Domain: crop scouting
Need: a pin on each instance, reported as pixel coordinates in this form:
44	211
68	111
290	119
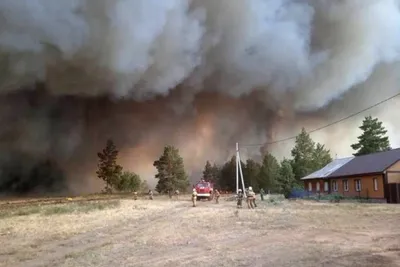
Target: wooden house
374	176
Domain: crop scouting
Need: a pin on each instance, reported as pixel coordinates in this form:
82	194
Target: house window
318	185
334	185
310	186
358	185
345	185
376	184
326	186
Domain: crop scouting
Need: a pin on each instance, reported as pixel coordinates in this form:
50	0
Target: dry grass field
166	232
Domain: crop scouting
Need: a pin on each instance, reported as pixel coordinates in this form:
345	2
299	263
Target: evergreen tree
286	178
251	174
308	156
227	179
209	173
373	139
216	173
302	154
108	169
171	173
212	173
321	157
269	173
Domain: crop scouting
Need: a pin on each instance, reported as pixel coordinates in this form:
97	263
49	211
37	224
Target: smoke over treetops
198	74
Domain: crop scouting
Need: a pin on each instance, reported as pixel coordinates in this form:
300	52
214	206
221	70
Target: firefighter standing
254	194
194	197
135	195
217	194
150	195
239	198
177	194
251	198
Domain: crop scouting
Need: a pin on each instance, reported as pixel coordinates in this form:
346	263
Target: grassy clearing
278	232
81	207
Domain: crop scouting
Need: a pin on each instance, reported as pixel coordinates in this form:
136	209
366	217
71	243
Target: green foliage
251	174
269	173
171	173
227	179
211	173
373	139
286	179
321	157
108	169
129	181
336	198
302	155
216	173
308	156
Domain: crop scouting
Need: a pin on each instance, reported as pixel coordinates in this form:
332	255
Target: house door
393	193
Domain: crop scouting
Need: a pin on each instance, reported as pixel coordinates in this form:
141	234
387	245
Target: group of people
250	197
150	194
216	193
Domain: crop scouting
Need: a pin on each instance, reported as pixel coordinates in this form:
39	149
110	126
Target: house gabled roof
328	169
366	164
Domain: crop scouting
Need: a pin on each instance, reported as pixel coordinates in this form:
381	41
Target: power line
325	126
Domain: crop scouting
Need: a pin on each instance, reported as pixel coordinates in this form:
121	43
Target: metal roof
371	163
328	169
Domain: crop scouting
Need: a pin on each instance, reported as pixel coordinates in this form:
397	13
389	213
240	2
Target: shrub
129	181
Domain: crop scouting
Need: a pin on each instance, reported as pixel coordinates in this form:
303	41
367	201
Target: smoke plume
198	74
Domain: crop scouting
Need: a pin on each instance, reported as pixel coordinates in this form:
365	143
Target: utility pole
239	171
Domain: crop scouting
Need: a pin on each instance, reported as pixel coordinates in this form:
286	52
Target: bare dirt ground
172	233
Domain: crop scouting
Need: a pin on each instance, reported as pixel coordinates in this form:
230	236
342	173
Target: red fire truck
204	190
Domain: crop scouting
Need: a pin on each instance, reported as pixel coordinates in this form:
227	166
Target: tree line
307	156
269	173
171	173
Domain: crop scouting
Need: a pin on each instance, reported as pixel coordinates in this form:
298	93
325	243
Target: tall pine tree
211	172
216	173
373	138
302	154
251	174
269	173
108	169
227	179
286	179
171	173
308	156
321	156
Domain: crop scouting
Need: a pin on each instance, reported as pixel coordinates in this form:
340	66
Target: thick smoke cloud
200	74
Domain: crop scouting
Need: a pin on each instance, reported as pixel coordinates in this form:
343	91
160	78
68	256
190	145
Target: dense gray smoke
199	74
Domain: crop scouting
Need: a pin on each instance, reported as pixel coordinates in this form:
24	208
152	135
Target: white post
237	168
241	174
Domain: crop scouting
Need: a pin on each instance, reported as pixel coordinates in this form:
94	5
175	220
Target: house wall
314	183
393	177
367	186
394	167
393	173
